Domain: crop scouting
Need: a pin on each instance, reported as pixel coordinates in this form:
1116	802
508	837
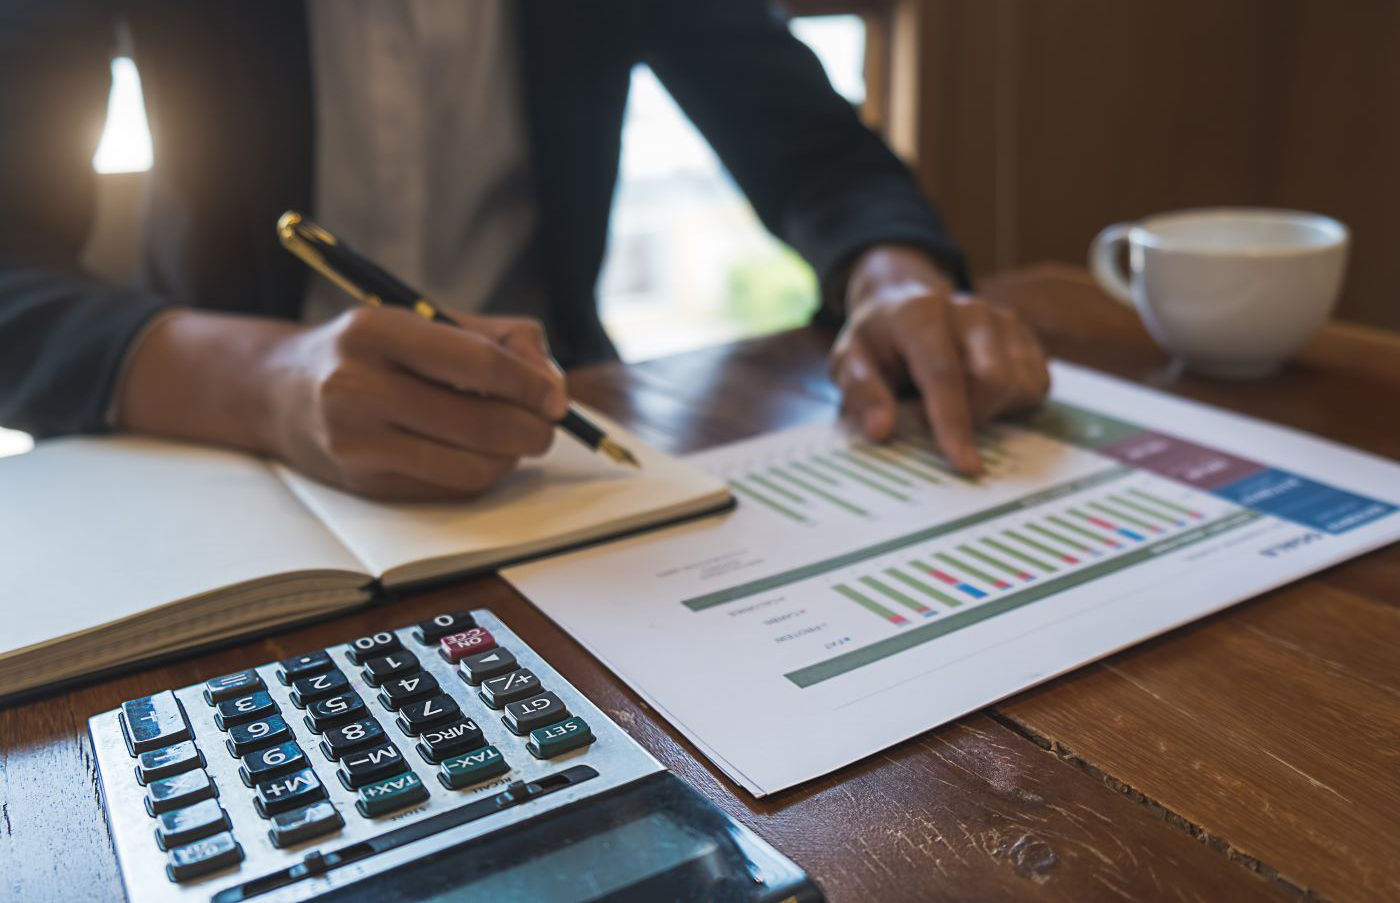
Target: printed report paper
862	594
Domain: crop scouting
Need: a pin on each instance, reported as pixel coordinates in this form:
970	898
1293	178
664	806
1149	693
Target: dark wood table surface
1254	755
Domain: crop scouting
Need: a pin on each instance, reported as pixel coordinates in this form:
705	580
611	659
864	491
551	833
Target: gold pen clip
297	235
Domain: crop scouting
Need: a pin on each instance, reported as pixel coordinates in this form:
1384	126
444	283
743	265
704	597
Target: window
126	139
689	264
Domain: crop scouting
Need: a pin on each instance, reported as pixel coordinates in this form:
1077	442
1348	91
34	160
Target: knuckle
356	326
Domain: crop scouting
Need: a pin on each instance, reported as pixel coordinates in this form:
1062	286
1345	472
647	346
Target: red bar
950	580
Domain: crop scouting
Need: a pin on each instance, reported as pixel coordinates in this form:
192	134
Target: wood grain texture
1267	731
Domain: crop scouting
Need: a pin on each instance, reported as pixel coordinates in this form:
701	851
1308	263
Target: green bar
990	561
1123	516
1141	508
878	471
1019	555
930	459
913	605
818	491
759	497
865	602
1075	528
852	475
1170	506
1033	543
826	478
958	565
1034	499
1072	543
932	630
902	464
785	492
923	587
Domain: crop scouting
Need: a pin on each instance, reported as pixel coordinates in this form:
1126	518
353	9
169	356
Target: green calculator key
551	740
472	767
390	794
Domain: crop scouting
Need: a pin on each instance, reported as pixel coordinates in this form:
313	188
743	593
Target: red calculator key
457	646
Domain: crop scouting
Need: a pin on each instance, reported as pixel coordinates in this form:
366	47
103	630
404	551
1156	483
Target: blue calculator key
244	709
325	714
245	738
153	721
239	683
299	666
309	689
168	761
179	791
264	764
290	792
370	765
390	795
203	856
472	768
182	826
303	824
555	739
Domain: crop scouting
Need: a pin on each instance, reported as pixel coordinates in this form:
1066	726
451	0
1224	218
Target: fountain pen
370	283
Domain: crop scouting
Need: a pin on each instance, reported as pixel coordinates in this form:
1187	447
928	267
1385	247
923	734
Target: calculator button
339	741
243	709
476	668
171	760
399	692
333	712
153	721
435	628
549	741
472	768
179	791
388	795
417	717
265	764
244	738
239	683
175	829
372	646
195	859
497	691
374	764
296	789
299	666
309	689
303	824
378	670
456	646
537	711
449	740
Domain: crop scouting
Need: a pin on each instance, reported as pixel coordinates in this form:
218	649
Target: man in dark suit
471	145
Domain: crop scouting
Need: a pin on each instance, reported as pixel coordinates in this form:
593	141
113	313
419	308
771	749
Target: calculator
441	761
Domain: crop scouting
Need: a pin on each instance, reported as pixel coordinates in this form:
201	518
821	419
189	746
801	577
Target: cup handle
1103	262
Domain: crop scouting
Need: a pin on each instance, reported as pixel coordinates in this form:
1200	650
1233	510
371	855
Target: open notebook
121	549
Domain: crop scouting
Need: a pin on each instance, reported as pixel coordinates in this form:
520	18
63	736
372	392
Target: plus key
456	646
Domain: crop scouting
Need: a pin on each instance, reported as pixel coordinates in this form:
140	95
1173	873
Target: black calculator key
417	717
309	689
239	683
290	792
167	761
378	670
373	646
450	740
476	668
179	791
328	713
340	741
299	666
527	714
435	628
265	764
175	829
245	738
153	721
518	684
370	765
203	856
244	709
400	691
303	824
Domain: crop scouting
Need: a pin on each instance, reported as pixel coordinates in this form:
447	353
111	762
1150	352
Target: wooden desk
1252	756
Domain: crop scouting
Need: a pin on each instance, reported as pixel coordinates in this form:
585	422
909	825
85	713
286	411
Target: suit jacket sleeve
63	333
819	179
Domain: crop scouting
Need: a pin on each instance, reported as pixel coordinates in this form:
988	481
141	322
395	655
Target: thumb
866	398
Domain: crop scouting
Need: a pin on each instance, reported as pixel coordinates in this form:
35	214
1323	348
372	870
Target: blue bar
1130	534
1304	501
972	591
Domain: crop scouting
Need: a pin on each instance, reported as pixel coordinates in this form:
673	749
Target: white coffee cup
1232	292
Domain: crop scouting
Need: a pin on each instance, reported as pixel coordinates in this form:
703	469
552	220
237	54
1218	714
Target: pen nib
618	453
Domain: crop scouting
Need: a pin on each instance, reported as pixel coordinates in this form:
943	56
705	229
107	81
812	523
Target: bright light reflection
126	140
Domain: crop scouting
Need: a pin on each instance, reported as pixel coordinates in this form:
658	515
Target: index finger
936	366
